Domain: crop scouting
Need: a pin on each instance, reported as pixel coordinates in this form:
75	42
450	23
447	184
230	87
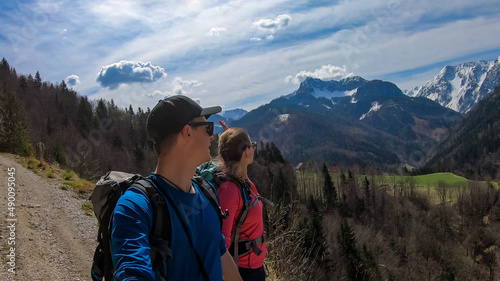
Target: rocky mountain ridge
461	87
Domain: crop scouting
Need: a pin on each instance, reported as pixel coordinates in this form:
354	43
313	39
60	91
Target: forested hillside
56	124
472	147
345	228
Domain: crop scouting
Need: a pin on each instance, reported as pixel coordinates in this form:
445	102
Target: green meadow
432	180
430	184
429	180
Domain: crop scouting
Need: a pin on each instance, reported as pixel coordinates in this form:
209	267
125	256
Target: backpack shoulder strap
245	193
161	231
210	192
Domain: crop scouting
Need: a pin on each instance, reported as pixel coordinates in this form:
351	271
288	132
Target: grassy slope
429	180
432	180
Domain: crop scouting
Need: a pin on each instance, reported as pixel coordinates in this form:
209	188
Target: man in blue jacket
181	136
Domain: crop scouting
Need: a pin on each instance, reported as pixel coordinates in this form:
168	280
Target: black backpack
104	198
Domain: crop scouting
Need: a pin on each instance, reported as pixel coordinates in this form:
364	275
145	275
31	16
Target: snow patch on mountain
335	94
282	118
351	93
375	107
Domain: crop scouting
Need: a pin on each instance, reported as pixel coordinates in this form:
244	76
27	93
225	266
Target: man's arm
130	237
229	270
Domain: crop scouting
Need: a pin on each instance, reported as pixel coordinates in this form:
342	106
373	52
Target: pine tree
23	82
329	191
280	188
4	66
84	115
101	110
366	187
275	154
314	240
348	250
14	136
370	269
38	80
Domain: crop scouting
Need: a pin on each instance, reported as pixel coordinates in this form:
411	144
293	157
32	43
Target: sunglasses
210	126
253	145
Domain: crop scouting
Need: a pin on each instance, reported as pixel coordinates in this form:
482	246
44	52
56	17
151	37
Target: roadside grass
81	186
87	209
70	180
68	175
50	174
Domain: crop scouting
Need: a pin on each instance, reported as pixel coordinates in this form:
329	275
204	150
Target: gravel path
54	239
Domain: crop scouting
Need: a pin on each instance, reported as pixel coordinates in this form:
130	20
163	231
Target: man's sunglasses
210	126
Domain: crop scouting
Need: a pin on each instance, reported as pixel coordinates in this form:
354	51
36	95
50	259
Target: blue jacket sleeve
222	245
132	221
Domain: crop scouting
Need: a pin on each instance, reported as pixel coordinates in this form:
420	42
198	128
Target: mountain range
234	114
227	116
461	87
352	121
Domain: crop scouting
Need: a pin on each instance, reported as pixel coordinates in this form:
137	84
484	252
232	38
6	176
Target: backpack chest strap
246	246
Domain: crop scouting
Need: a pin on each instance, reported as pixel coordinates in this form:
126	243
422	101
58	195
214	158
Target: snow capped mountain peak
461	87
328	89
234	114
413	91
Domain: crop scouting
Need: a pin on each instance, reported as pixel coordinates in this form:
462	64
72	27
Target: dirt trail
54	239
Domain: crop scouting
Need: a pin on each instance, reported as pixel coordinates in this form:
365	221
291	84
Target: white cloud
125	72
377	35
178	86
147	94
183	87
326	72
72	80
215	31
273	25
269	37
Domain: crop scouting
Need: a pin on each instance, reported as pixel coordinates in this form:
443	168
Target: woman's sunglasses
210	126
253	145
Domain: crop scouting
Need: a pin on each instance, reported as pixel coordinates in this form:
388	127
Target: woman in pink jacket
240	197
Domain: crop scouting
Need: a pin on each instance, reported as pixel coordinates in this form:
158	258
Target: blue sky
240	53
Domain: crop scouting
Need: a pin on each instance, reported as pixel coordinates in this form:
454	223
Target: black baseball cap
170	115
